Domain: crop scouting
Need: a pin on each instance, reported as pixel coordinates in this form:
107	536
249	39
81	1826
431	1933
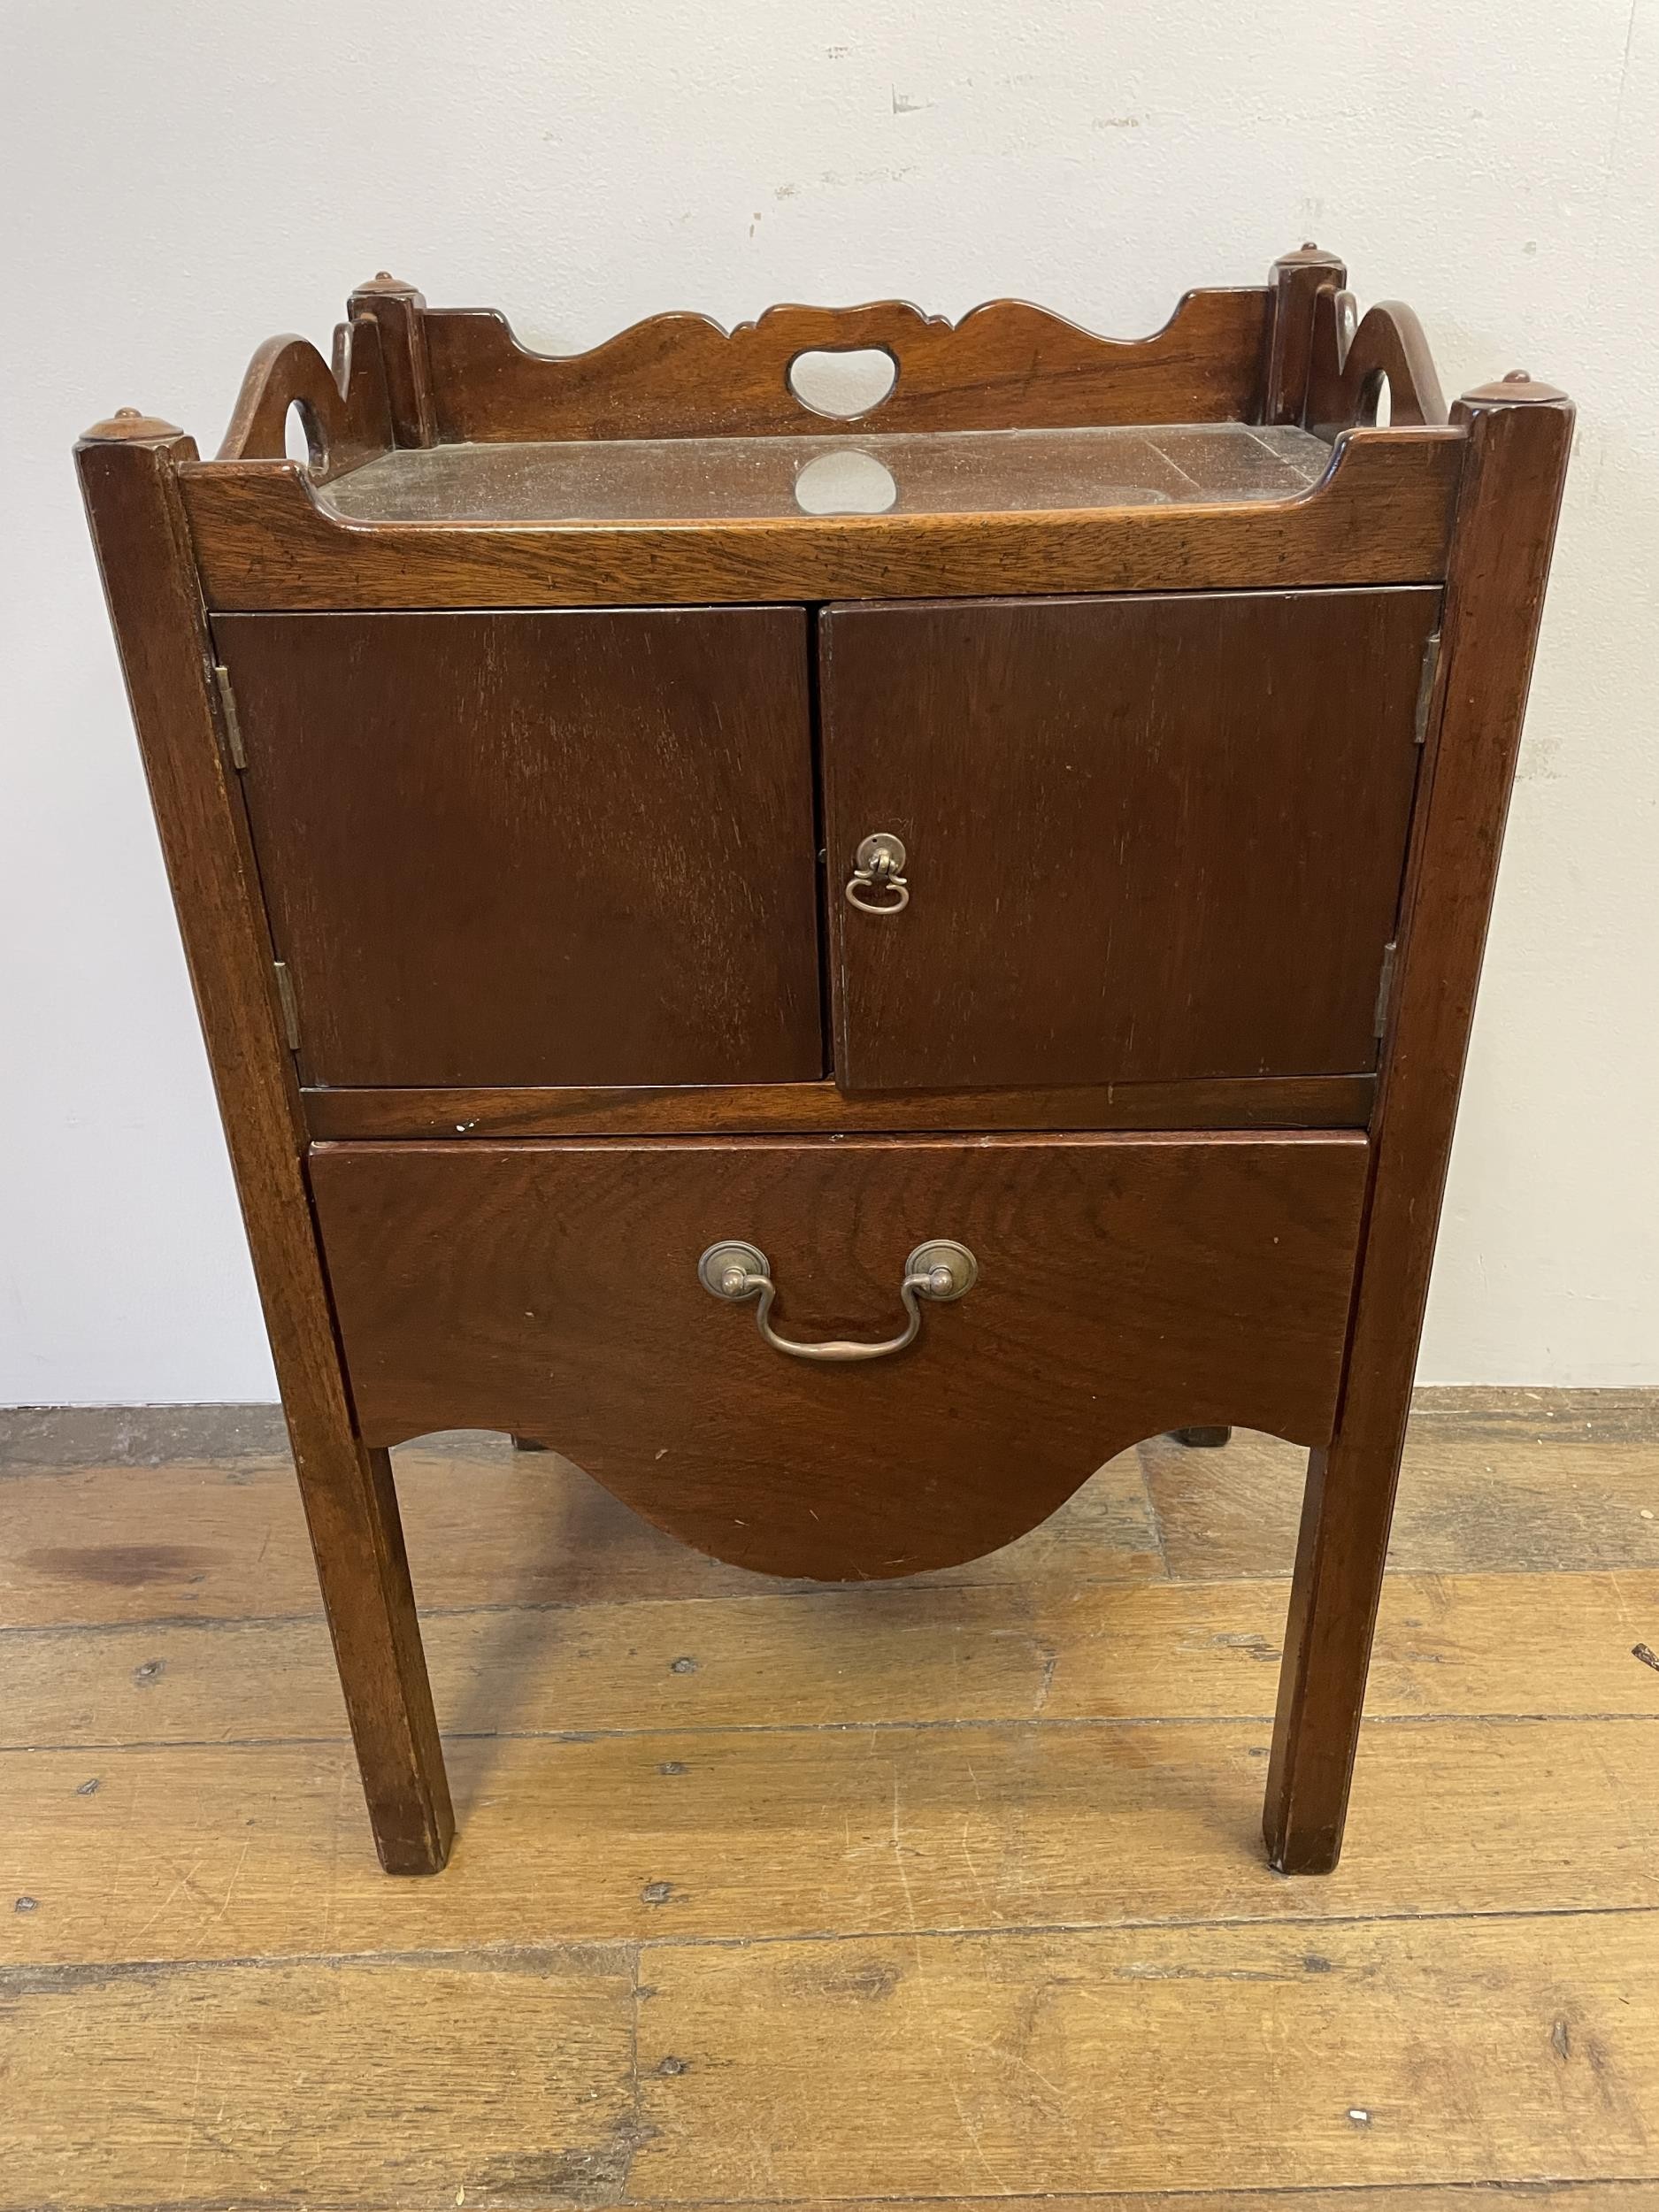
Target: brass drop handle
879	866
939	1270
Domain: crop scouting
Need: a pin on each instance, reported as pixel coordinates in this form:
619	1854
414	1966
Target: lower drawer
1126	1285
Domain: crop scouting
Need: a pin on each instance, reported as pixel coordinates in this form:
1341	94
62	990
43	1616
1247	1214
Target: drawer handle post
879	867
939	1270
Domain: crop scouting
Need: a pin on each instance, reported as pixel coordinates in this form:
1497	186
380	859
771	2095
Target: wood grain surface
1126	1284
129	474
490	1527
964	2064
1006	365
930	2063
265	542
187	1520
397	310
1296	282
537	848
1355	356
1520	435
344	409
756	1835
180	2104
1321	1101
886	1886
1148	839
1522	1481
1448	1646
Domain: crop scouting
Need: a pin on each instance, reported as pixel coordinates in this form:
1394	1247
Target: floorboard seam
709	1729
1498	2192
1057	1587
844	1592
89	1973
1512	2191
1516	2191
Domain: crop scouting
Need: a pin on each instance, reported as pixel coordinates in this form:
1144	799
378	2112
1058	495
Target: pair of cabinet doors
1148	838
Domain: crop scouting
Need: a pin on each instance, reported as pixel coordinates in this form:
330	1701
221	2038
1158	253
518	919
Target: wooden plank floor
771	1895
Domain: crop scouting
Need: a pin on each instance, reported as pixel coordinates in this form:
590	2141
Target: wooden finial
1515	388
127	426
382	285
1297	285
396	309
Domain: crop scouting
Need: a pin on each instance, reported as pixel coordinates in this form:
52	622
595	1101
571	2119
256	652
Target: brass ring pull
855	895
939	1270
879	866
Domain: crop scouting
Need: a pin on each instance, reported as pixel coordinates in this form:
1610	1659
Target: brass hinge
1426	688
1384	988
284	999
227	708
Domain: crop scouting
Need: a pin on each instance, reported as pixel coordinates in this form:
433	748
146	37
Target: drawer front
537	848
1147	838
1125	1286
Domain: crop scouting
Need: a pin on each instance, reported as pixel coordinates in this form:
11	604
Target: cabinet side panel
350	1506
1520	434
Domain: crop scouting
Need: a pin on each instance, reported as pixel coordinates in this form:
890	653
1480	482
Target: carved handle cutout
344	412
1355	362
841	381
303	438
1006	365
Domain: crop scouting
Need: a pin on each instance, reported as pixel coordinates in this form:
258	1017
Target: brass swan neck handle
939	1270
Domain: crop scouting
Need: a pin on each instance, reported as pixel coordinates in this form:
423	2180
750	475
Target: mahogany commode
840	968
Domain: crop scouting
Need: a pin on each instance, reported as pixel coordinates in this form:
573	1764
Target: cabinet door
1147	838
541	848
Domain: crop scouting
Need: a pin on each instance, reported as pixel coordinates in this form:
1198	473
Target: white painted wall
181	181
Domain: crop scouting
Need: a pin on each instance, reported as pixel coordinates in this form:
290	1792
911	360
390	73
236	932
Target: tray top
775	478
